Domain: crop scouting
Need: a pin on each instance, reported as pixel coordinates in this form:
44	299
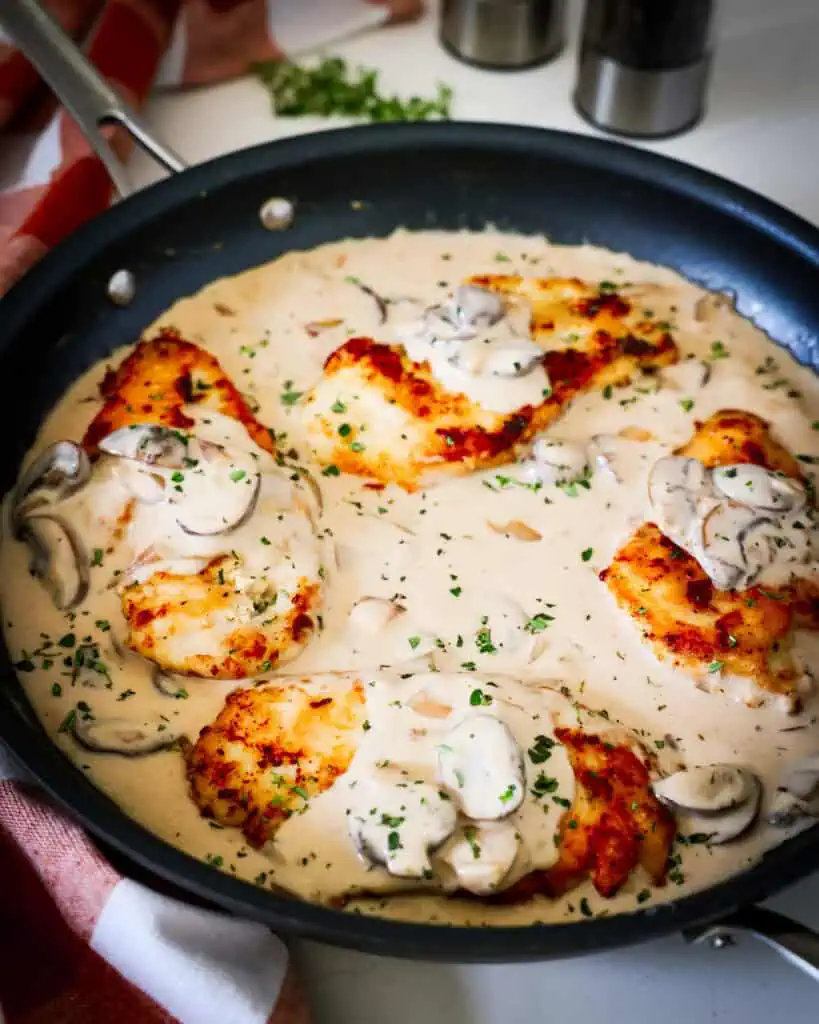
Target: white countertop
762	129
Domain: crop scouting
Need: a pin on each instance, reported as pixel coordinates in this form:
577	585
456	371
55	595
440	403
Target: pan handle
793	941
86	95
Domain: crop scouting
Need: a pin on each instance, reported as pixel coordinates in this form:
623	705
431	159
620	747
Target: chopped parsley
237	475
483	641
687	404
97	556
289	397
543	784
586	555
538	623
718	350
331	87
479	699
393	842
541	749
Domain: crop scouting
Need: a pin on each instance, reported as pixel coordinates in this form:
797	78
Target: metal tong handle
86	95
792	941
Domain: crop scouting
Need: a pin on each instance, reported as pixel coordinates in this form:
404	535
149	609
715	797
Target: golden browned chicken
155	382
379	414
203	624
228	584
615	823
705	630
272	748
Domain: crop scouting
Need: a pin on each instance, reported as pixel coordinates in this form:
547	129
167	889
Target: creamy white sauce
436	557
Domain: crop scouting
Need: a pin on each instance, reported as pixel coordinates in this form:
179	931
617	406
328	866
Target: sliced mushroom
759	488
602	451
166	685
54	475
482	854
219	494
149	443
735	545
379	300
480	762
802	778
397	824
507	622
514	359
123	736
675	484
88	668
787	810
558	462
476	306
58	558
372	614
719	801
150	561
146	487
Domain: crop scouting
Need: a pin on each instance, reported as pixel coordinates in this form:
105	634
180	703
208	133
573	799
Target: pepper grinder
503	35
644	65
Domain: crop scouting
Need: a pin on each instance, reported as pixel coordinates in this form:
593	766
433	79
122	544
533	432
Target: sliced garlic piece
517	529
482	854
480	762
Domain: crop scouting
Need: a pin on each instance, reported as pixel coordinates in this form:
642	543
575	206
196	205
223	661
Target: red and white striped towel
50	182
80	943
83	945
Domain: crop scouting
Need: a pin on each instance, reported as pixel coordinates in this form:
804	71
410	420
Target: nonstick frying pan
204	223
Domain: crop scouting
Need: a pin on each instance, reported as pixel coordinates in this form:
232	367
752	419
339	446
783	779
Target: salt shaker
644	64
503	34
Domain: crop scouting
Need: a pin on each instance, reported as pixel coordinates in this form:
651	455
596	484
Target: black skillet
204	223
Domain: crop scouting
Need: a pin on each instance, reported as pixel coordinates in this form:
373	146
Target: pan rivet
122	288
721	941
276	213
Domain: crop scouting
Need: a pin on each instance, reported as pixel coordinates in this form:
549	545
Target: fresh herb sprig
332	88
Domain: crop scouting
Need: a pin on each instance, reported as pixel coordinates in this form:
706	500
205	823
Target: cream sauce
435	555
